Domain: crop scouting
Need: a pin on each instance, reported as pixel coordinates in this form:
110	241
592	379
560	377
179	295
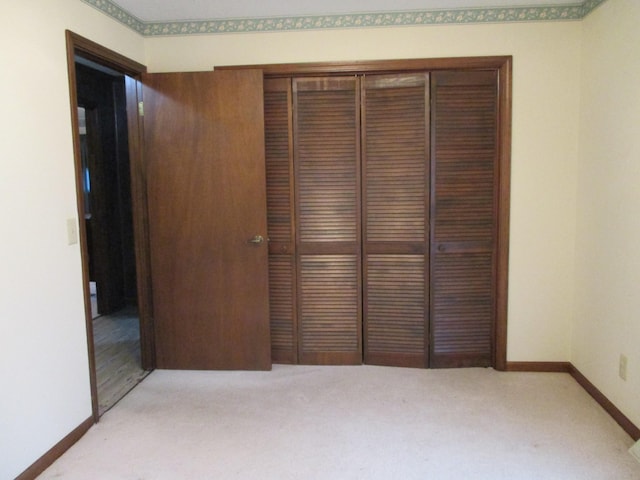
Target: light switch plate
635	451
72	231
622	367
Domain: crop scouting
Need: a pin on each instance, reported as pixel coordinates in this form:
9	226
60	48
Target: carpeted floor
116	340
365	422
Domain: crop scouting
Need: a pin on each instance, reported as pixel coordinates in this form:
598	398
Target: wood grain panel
464	213
395	204
204	145
330	309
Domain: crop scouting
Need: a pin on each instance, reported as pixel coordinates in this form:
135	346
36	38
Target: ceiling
151	11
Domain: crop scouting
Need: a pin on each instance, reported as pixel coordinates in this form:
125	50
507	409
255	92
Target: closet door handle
256	240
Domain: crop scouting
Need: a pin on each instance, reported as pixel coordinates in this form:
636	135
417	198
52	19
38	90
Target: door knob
256	240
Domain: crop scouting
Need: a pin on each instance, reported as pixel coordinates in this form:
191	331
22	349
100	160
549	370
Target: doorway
108	224
112	212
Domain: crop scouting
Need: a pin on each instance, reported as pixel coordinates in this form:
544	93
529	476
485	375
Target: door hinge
141	109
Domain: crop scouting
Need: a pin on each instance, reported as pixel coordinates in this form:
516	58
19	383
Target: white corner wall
546	65
43	354
607	311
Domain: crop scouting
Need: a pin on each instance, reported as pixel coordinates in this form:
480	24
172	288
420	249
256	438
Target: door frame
503	66
78	45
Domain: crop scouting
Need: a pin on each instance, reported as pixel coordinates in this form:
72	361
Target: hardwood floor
117	349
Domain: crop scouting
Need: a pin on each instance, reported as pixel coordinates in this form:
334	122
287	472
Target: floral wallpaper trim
356	20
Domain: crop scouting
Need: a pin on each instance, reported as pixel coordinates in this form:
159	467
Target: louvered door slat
277	123
395	197
326	132
463	305
329	311
464	156
326	164
281	308
280	219
395	312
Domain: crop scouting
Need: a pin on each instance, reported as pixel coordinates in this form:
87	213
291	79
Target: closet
387	200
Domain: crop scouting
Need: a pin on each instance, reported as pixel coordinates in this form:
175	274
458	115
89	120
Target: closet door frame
503	66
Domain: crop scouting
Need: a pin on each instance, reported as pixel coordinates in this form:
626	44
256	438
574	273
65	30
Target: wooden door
278	119
464	215
409	235
395	156
204	148
327	188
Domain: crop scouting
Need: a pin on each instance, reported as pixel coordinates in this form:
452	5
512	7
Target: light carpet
363	422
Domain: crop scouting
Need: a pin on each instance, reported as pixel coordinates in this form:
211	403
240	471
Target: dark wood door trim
621	419
90	50
55	452
377	66
504	203
102	55
140	223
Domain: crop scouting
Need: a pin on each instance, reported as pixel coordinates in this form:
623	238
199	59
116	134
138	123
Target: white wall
545	140
607	312
43	350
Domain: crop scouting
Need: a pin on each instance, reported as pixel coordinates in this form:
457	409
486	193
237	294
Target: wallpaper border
361	20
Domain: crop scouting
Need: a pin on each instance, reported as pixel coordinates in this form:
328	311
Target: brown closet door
395	215
464	199
280	219
327	172
204	147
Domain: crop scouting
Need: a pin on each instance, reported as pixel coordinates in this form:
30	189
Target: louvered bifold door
326	162
395	124
280	219
464	212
